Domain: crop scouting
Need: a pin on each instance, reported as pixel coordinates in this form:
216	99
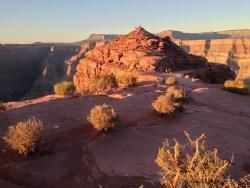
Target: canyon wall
232	52
31	70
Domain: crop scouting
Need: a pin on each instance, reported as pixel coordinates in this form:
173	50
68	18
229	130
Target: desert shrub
176	94
24	137
126	80
2	107
103	117
236	86
192	165
164	105
171	80
65	88
102	83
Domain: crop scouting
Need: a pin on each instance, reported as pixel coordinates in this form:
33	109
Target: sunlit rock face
137	51
232	52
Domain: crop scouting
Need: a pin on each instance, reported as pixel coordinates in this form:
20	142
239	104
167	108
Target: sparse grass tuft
192	165
24	137
103	117
236	86
171	80
102	82
126	80
65	88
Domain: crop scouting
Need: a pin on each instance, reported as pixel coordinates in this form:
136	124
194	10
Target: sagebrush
126	80
236	86
103	117
24	137
171	80
194	165
65	88
164	105
176	94
102	82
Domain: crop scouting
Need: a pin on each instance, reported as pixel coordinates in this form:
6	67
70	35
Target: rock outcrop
140	51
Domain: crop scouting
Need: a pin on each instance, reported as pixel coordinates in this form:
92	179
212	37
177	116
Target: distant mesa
230	34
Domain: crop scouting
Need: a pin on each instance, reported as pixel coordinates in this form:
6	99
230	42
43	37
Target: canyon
231	48
30	70
73	154
232	52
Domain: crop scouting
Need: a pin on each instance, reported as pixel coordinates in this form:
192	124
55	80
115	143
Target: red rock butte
137	51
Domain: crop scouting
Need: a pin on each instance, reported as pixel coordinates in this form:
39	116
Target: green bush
176	94
2	107
103	117
103	82
164	105
24	137
65	88
171	80
193	165
236	86
126	80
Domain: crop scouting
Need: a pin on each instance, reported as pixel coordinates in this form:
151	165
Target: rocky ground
73	155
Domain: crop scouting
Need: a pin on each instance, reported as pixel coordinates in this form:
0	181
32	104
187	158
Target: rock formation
232	52
140	51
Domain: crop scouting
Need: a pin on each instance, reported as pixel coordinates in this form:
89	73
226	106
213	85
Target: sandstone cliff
232	52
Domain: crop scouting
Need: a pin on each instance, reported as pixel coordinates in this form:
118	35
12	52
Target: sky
27	21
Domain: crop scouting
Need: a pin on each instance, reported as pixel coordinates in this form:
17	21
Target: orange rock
137	51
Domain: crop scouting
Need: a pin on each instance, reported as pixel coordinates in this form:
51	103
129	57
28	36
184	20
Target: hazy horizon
63	21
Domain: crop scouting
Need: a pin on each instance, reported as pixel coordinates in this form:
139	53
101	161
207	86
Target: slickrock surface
139	50
74	155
